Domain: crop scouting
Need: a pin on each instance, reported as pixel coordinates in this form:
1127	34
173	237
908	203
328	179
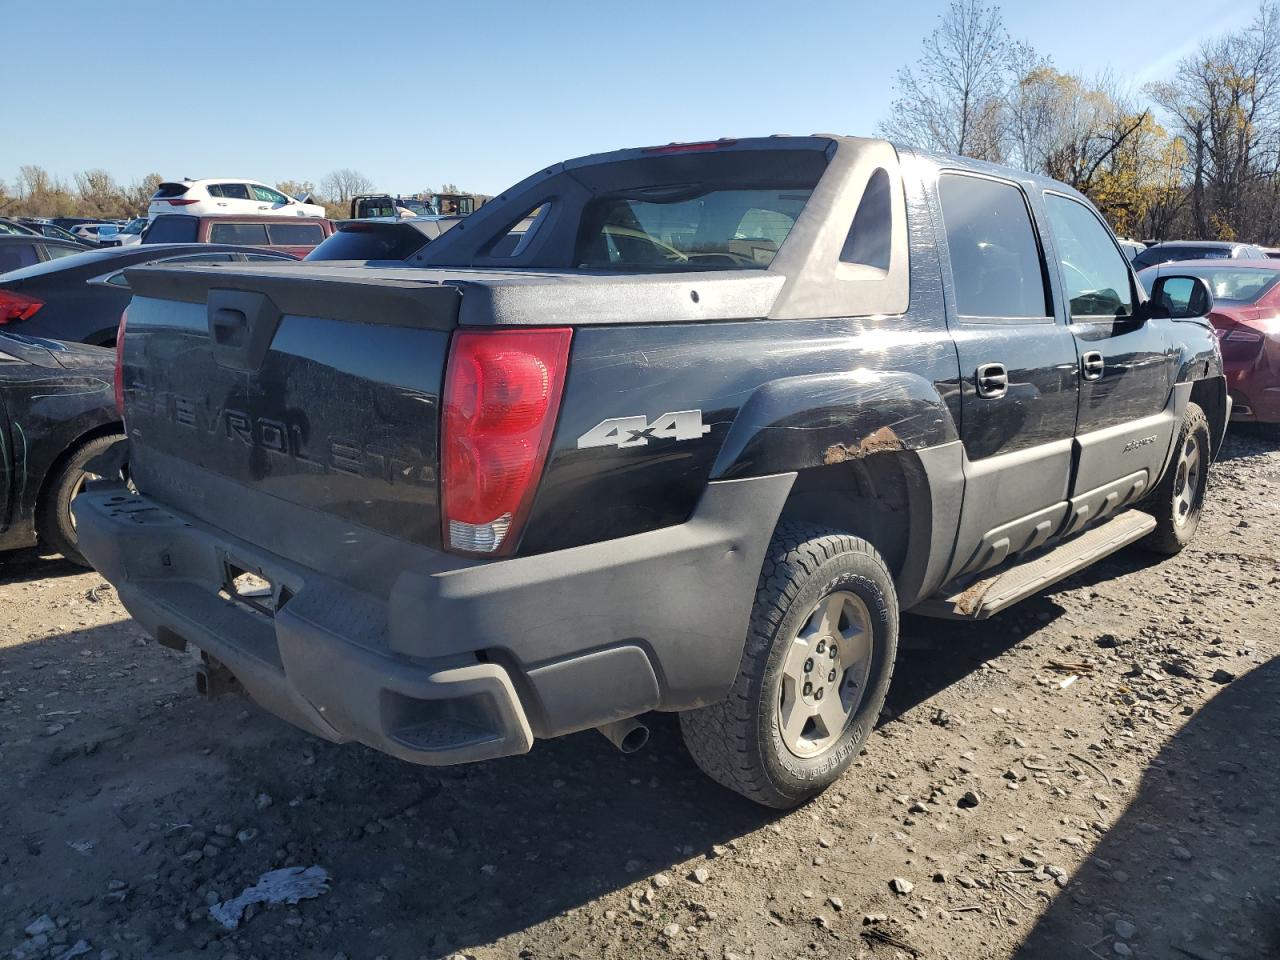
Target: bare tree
137	196
342	185
1225	101
953	100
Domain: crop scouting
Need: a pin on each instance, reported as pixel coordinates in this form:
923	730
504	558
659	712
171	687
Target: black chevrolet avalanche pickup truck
679	428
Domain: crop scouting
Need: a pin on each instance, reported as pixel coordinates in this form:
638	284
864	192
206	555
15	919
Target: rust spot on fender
883	440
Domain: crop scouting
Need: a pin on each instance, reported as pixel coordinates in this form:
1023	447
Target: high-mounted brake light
17	306
501	397
119	377
702	147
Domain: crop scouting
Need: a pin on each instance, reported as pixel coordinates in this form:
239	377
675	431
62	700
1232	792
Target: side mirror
1179	298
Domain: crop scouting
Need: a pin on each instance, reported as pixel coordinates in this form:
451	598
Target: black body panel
54	395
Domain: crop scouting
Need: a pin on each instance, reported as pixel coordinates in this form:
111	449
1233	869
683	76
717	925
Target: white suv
203	197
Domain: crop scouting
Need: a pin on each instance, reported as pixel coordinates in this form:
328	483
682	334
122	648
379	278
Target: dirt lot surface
999	811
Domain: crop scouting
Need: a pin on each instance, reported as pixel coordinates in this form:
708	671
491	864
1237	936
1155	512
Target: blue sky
483	93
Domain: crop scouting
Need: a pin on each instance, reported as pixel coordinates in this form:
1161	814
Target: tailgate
255	398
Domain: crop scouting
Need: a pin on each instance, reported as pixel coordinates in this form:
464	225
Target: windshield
135	226
699	229
1230	284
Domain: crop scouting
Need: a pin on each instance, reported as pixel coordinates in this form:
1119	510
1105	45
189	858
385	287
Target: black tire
738	741
53	514
1177	509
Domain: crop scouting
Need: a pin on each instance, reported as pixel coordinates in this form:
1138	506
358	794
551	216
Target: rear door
1017	368
1127	366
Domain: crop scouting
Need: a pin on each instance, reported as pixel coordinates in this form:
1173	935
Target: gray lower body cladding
466	663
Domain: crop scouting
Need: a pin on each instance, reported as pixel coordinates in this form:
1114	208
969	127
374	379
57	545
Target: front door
1018	372
1128	412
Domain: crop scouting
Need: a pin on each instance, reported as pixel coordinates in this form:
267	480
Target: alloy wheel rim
825	674
1187	479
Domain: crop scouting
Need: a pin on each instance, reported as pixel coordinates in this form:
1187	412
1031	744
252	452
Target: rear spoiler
305	292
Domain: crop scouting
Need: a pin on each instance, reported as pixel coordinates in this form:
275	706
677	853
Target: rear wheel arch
885	499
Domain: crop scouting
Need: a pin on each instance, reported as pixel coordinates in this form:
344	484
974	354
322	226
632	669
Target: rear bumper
469	663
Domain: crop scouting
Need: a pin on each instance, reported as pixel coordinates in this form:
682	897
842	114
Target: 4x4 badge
637	431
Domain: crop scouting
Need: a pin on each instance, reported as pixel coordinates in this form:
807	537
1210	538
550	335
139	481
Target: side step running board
982	598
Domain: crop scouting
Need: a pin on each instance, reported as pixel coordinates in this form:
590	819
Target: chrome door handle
992	381
1092	365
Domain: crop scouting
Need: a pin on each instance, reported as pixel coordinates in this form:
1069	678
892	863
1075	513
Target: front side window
1094	271
267	195
995	260
247	233
700	230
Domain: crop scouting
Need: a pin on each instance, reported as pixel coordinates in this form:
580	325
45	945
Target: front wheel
1177	500
815	669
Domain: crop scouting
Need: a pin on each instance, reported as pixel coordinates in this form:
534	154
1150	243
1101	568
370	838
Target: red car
1246	317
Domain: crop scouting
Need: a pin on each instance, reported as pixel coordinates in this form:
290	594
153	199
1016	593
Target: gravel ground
999	811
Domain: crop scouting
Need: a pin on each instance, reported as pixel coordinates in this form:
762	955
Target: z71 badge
637	431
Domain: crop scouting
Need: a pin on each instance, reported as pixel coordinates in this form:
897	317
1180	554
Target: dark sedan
57	413
81	297
1172	250
18	250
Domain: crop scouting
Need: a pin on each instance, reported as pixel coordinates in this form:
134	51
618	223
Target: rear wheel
54	523
815	669
1178	499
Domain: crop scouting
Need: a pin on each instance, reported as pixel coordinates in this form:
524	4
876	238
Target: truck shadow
1192	862
27	566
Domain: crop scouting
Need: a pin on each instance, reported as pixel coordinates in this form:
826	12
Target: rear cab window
706	228
996	266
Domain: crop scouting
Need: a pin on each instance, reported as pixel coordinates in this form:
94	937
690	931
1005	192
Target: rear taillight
1240	345
17	306
501	396
181	203
119	378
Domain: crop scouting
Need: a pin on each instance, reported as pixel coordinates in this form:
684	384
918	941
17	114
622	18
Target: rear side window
171	229
870	238
995	260
371	241
55	252
229	191
295	234
14	256
1094	271
247	233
